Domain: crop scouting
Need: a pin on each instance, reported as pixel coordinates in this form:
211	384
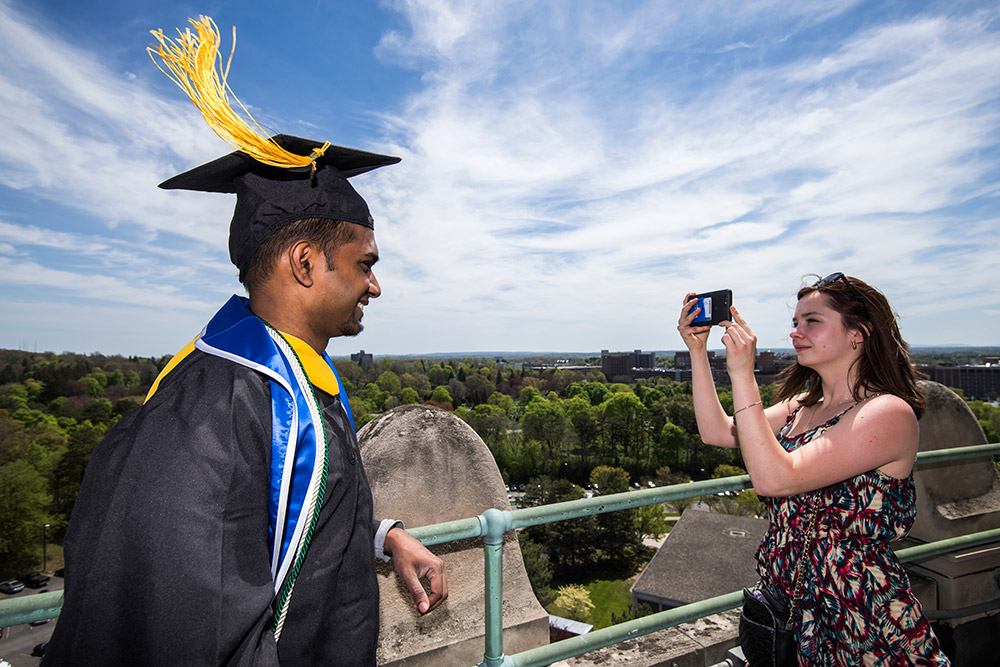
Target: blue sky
570	168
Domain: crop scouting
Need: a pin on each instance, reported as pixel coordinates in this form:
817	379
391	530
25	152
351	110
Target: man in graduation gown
229	520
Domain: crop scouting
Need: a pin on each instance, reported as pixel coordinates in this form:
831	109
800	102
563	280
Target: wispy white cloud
570	170
83	134
747	178
128	292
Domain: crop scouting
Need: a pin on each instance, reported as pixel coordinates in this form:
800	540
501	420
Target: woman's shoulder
887	405
884	415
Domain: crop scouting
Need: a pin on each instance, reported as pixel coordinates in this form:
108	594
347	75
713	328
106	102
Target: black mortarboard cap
269	198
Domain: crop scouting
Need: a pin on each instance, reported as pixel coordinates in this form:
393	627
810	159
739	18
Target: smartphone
714	307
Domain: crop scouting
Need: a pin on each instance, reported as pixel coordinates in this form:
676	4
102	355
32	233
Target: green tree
489	422
408	396
34	388
666	477
360	411
68	473
744	503
375	397
457	390
988	417
115	378
123	406
568	543
93	385
14	439
724	470
623	423
652	522
418	382
98	411
528	394
527	460
617	539
596	392
572	602
13	397
440	395
502	401
632	613
479	388
669	447
546	422
22	514
536	564
389	382
582	416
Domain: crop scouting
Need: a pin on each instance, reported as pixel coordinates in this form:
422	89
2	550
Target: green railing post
495	523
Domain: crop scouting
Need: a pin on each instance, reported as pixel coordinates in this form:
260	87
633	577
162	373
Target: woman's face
819	335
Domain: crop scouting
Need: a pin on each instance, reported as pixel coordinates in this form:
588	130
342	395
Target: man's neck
278	318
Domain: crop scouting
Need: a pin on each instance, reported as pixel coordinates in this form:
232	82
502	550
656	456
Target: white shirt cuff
383	528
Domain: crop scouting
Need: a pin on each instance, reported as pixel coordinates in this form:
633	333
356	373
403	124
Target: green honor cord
318	489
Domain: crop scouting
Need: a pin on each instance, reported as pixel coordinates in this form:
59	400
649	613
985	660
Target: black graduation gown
167	559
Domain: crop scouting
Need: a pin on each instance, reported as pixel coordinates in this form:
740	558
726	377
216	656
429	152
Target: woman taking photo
833	461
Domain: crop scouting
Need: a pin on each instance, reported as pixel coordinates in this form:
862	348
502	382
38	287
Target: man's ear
302	257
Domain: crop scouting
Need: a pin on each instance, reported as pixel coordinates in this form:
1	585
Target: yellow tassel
191	60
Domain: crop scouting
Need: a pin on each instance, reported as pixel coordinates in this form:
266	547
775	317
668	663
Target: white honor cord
314	485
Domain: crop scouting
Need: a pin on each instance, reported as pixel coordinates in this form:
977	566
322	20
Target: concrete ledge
696	644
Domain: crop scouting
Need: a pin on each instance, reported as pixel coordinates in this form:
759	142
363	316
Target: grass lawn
609	596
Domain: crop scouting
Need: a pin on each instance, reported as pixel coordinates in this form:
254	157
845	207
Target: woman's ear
858	336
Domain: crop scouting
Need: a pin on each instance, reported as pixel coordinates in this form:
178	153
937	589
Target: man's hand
413	562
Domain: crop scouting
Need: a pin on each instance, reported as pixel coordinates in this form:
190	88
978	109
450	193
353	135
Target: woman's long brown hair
884	365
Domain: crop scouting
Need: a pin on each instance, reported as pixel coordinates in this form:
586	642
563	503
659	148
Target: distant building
706	554
768	367
362	358
981	383
618	366
559	365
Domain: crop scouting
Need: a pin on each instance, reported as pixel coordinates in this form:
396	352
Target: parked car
39	649
35	579
11	587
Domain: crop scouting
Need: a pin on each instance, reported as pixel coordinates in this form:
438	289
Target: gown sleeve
167	558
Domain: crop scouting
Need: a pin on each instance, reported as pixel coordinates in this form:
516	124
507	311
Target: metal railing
493	523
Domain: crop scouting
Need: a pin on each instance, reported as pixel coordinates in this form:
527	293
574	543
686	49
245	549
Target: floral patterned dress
855	605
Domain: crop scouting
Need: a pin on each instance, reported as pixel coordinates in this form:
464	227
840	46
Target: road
18	641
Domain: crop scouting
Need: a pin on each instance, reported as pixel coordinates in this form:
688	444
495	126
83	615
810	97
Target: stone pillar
427	466
955	497
958	591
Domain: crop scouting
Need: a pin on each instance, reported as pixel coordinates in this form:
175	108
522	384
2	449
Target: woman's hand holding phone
694	337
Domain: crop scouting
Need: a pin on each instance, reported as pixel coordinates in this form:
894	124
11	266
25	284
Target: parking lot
18	641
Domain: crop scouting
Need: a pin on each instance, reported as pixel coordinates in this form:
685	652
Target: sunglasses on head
834	277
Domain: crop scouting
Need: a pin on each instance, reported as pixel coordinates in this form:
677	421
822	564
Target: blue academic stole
298	454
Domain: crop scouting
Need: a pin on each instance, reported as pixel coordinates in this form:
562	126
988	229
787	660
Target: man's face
344	291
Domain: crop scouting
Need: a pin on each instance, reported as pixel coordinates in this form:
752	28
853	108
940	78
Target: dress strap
788	423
